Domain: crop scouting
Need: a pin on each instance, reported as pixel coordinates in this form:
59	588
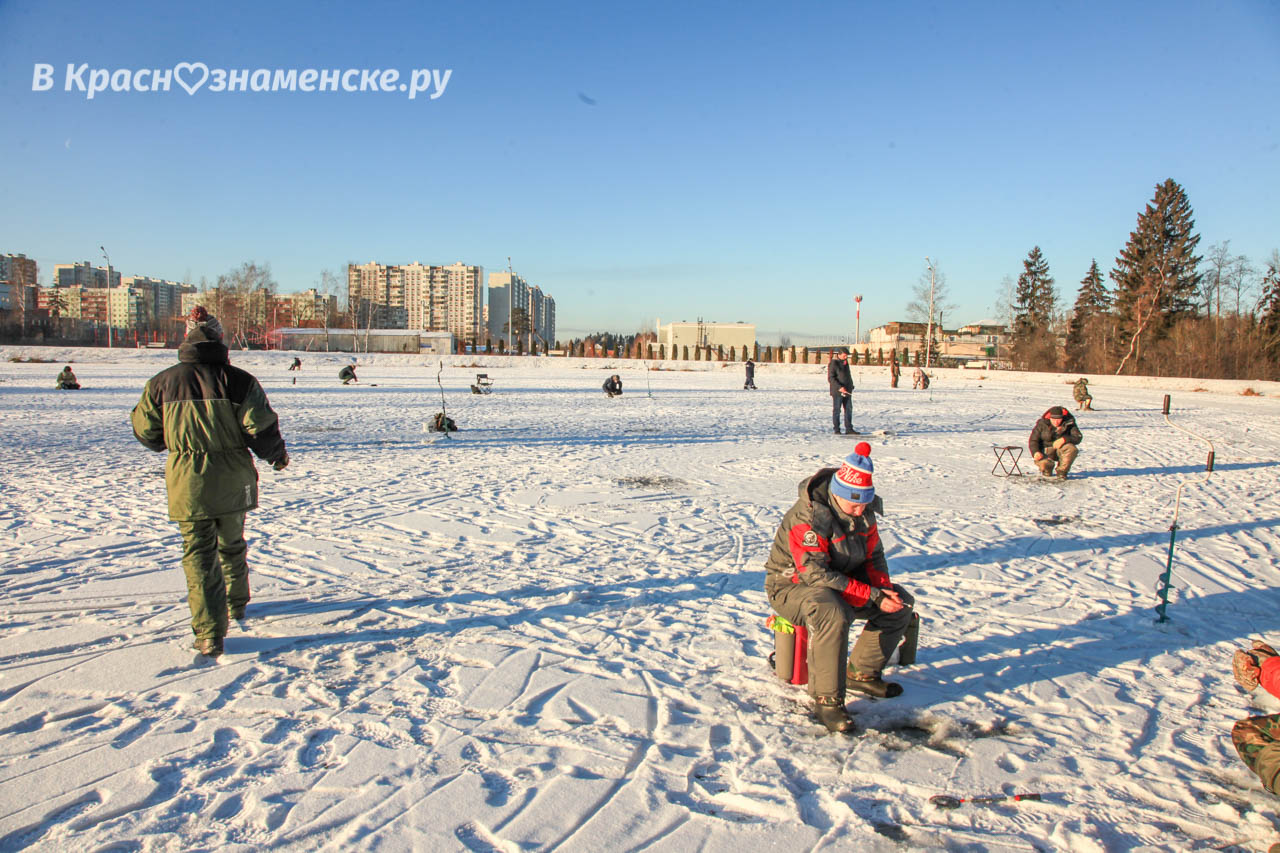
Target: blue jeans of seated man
845	402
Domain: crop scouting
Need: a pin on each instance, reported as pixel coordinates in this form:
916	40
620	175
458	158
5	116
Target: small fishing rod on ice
946	801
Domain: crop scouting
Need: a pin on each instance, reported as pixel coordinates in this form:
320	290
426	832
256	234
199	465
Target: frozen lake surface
547	632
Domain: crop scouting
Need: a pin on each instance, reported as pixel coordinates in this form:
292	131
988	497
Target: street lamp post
108	257
928	340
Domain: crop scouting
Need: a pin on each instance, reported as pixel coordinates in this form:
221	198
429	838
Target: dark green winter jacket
208	415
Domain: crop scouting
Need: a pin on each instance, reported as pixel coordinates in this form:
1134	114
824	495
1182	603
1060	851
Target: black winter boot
210	647
872	685
831	713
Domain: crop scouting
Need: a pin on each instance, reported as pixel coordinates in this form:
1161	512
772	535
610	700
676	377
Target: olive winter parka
208	415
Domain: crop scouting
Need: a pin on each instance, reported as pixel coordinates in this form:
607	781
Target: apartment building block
420	296
84	274
510	294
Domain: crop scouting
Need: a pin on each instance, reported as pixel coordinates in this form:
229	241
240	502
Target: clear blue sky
740	161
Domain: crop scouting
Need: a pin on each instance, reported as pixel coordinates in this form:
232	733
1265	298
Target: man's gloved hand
1247	665
281	463
1059	442
1037	456
890	601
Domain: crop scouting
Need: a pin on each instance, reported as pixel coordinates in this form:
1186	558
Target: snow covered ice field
547	633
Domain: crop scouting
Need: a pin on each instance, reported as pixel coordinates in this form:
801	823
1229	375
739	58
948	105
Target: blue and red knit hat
852	480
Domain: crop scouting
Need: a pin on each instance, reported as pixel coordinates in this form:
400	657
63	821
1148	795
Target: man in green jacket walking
208	415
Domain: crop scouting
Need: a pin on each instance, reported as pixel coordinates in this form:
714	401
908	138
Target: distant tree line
1168	312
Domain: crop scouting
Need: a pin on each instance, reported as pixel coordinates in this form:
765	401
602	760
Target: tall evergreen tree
1156	274
1034	346
1086	345
1269	312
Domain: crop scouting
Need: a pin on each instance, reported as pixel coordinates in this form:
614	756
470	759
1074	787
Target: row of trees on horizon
1168	311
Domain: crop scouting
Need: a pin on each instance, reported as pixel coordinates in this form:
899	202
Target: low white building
436	343
981	341
704	334
334	339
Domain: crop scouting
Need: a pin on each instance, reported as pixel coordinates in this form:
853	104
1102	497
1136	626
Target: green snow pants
1257	739
213	559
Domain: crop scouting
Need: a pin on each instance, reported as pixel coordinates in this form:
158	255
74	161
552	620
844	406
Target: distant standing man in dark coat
613	386
1055	439
840	382
750	384
208	415
894	371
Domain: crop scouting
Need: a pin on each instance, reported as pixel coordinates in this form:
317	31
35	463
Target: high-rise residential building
131	308
138	302
419	296
369	295
425	290
83	275
163	298
19	278
191	300
261	308
85	303
465	302
510	294
544	316
19	300
19	270
311	307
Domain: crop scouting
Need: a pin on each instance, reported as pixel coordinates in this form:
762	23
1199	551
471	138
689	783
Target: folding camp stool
1007	457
